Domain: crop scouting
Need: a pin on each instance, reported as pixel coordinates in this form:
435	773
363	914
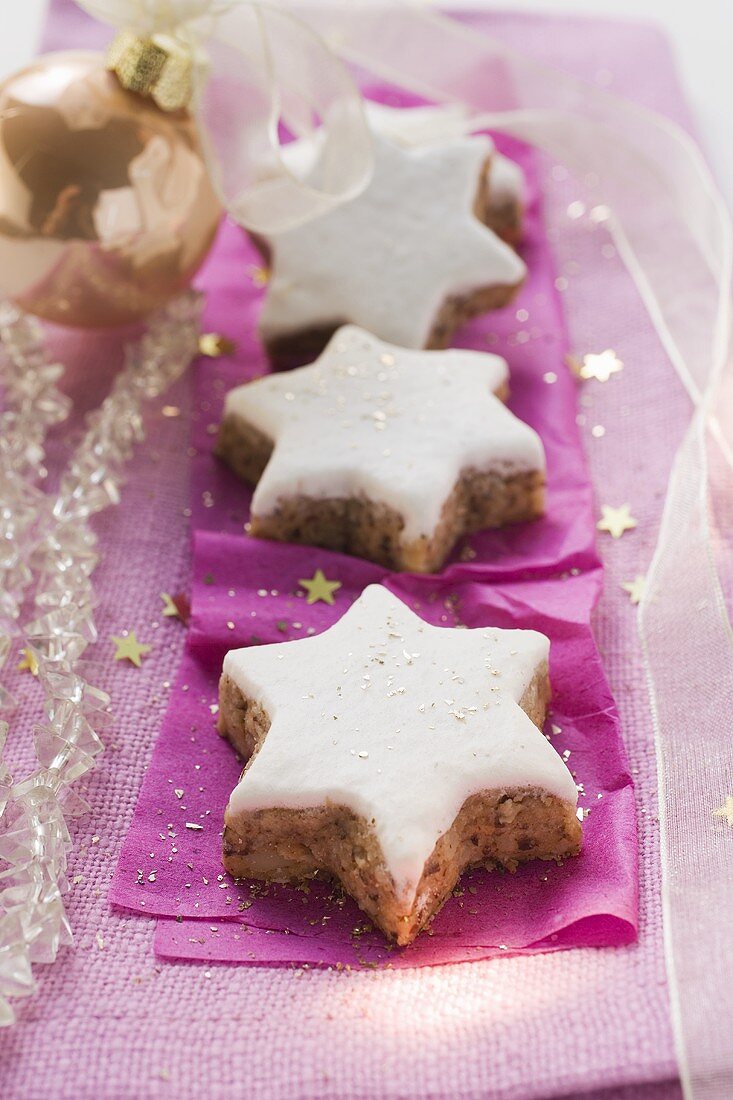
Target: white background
701	30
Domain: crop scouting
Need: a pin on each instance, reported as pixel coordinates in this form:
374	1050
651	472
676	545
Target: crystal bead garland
48	543
32	405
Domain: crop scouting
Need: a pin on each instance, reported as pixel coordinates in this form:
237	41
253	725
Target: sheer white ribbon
674	234
271	70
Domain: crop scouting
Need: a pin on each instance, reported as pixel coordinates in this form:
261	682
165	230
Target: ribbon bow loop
255	75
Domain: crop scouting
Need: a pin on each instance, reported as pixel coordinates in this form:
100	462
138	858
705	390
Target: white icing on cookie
398	720
411	126
395	425
415	126
390	258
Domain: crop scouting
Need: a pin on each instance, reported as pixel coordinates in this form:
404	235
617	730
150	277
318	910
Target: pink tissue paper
544	575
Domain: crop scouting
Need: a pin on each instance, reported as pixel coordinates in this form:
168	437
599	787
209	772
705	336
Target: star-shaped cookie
382	452
409	259
393	754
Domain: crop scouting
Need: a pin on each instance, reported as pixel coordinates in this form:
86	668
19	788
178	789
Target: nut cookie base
494	828
293	349
506	218
504	215
368	529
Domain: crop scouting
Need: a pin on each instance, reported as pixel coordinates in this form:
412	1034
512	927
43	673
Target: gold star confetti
130	649
260	276
318	588
170	608
616	520
726	810
635	588
28	662
599	366
214	345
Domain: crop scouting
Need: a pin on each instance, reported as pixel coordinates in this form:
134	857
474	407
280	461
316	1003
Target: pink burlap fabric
109	1021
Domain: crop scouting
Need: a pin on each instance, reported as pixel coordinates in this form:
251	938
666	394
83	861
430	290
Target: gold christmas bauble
106	207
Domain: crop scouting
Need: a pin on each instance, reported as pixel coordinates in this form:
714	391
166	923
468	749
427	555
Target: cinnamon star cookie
409	259
382	452
393	755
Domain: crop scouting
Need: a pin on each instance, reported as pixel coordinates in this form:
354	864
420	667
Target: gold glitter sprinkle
260	276
214	345
178	792
319	588
635	588
194	827
616	520
726	810
129	649
28	661
171	411
170	608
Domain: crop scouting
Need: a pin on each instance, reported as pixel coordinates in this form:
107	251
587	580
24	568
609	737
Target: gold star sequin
170	607
635	588
130	649
616	520
28	661
726	810
214	345
598	366
319	588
